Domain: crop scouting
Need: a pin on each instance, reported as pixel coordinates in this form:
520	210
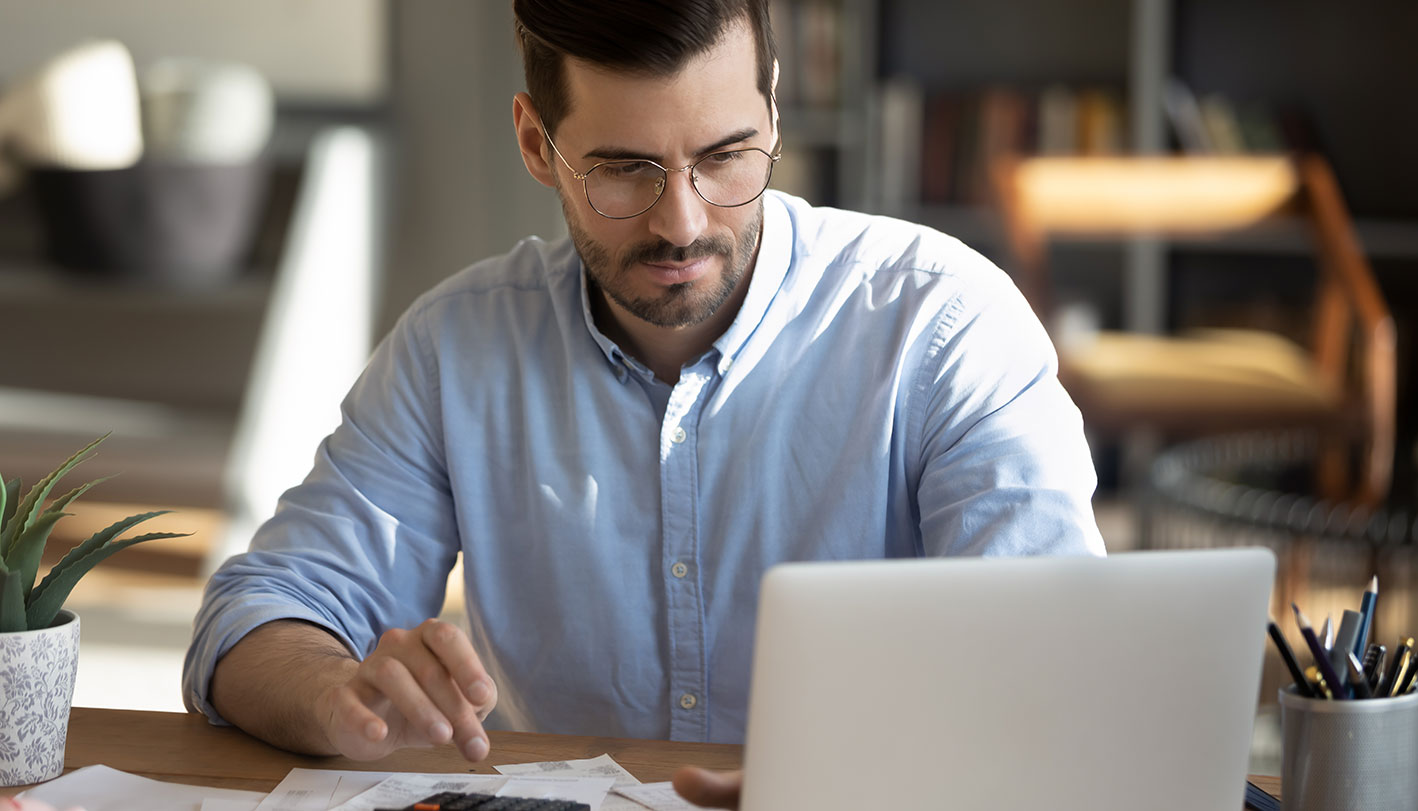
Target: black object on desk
469	801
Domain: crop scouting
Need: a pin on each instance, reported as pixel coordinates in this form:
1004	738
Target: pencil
1406	681
1398	668
1326	632
1366	610
1301	686
1321	655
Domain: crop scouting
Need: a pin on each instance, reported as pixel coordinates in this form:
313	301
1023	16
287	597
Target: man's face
676	264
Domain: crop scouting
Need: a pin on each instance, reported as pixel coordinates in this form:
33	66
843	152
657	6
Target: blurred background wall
893	106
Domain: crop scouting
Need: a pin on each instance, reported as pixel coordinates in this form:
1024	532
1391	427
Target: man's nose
679	216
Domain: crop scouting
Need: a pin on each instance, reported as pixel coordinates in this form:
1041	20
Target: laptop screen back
1024	683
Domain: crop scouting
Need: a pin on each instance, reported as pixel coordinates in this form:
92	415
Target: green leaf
12	501
102	537
12	604
29	548
64	500
49	596
29	508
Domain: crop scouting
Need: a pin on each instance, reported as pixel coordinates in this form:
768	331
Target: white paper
100	788
229	805
399	790
657	797
602	766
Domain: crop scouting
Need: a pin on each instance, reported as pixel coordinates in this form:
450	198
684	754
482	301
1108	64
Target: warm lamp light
1162	194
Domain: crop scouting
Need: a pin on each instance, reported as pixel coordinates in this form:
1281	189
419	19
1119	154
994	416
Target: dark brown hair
649	37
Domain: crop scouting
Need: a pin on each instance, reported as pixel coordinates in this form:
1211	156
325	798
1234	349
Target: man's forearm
269	682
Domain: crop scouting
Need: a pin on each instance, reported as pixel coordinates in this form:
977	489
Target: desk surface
183	748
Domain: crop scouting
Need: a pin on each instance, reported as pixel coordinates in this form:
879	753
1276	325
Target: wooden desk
183	748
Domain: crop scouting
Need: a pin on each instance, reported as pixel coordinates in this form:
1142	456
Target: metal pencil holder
1348	755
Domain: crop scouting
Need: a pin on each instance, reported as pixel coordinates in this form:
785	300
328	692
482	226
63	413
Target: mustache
662	251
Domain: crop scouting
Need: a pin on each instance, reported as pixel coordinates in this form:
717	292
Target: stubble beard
680	305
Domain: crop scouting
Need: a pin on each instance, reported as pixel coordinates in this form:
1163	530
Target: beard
679	305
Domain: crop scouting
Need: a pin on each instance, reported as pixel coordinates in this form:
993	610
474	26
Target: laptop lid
1020	683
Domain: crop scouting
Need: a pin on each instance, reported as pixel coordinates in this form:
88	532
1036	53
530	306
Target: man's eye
625	171
725	157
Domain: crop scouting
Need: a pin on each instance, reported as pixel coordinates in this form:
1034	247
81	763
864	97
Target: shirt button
688	700
679	570
678	435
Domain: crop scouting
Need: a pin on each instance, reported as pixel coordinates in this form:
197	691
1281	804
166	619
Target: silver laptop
1019	684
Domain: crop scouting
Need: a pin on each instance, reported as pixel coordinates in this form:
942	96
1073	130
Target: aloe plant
24	530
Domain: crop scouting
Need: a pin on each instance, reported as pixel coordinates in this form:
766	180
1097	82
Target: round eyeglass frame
773	158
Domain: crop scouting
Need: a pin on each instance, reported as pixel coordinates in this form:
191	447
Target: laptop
1018	684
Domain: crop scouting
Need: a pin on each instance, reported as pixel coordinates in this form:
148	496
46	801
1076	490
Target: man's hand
709	789
419	687
294	685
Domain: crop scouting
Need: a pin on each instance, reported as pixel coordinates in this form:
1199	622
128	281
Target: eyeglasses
621	189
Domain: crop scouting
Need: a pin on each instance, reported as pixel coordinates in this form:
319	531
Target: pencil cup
1348	755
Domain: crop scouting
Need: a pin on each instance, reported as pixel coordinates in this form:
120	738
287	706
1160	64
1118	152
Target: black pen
1301	686
1356	676
1374	665
1321	655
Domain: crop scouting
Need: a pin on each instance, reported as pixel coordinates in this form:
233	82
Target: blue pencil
1366	614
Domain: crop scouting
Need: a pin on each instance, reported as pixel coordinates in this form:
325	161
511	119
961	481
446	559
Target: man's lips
678	272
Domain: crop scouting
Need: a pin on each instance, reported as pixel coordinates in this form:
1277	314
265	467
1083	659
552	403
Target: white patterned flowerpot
37	671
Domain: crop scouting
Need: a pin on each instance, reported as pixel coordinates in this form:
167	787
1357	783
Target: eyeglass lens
627	188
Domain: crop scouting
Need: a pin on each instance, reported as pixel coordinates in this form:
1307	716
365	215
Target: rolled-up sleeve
365	543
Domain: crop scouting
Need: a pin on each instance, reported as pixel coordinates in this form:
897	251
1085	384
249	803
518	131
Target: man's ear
773	102
536	155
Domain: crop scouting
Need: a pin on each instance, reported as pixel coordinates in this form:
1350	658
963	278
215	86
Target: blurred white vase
78	111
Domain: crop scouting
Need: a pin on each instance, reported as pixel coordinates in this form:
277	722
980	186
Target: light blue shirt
884	392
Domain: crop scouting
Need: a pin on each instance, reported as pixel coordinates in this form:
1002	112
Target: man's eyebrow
614	153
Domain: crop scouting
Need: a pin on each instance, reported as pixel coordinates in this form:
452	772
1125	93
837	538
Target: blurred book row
810	37
936	146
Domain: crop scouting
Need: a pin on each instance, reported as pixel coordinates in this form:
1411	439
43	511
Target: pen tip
1374	584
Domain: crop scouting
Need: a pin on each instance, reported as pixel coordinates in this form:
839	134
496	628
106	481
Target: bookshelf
1341	75
1347	75
827	53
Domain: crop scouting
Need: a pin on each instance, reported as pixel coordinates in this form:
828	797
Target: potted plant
39	638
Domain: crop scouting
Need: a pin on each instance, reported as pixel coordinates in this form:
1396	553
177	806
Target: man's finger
353	728
455	651
709	789
391	677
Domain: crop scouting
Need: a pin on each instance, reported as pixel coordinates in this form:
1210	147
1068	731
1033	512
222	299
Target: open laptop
1016	684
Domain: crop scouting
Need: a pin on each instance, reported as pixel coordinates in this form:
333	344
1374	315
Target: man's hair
646	37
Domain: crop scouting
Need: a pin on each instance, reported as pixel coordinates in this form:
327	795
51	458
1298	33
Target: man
623	430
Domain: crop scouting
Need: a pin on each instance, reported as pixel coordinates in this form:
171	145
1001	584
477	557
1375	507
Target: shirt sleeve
365	543
1005	468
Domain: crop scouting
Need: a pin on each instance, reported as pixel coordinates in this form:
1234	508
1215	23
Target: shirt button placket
680	519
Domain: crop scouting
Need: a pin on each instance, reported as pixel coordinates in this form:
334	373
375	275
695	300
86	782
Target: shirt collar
775	250
775	253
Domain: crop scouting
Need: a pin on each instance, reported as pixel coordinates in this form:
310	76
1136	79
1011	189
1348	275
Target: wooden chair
1343	383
